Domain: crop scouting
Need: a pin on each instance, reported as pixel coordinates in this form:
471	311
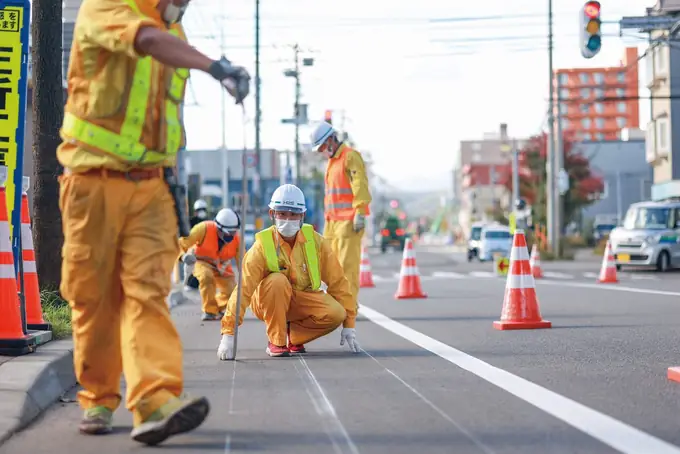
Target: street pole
515	177
550	158
619	201
297	115
223	150
259	199
559	164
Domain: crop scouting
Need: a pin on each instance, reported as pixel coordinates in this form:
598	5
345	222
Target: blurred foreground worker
346	201
211	246
282	275
122	207
200	215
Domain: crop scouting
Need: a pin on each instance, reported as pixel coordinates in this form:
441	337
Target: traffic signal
591	29
328	116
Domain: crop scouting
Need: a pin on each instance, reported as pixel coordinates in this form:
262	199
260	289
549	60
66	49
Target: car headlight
653	239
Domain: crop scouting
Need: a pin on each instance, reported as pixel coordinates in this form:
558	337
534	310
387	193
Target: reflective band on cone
608	270
409	278
365	273
520	304
535	263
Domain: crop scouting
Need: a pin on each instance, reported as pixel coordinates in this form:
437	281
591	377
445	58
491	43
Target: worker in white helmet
200	212
211	246
282	275
346	201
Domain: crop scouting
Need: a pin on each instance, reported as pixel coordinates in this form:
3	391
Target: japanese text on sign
10	20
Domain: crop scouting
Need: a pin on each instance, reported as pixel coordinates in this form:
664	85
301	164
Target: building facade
596	103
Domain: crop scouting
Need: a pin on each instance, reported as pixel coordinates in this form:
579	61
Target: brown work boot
96	421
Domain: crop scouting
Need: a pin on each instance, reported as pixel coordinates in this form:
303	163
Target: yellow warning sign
502	264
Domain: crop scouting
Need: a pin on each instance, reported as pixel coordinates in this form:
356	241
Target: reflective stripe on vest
126	144
339	197
266	239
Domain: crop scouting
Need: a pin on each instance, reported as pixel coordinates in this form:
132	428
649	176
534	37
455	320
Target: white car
495	239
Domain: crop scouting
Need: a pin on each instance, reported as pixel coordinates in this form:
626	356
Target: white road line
643	277
590	275
342	443
448	274
434	407
554	275
482	274
614	287
606	429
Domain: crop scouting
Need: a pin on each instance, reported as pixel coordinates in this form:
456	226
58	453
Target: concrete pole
559	164
550	159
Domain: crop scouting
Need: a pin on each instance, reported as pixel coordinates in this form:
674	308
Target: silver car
495	239
649	236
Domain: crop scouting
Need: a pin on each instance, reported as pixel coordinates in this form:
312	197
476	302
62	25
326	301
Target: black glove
234	78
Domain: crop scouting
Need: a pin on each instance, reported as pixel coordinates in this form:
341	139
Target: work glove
359	222
235	79
350	335
189	259
225	352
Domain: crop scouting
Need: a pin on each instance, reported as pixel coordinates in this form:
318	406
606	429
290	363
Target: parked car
495	239
392	234
474	240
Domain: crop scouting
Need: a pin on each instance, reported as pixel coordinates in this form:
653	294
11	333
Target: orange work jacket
339	196
207	250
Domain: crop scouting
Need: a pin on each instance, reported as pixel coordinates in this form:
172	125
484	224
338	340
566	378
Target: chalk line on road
433	406
614	287
342	443
606	429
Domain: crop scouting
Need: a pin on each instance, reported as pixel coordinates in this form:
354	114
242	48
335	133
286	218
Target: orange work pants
120	244
209	281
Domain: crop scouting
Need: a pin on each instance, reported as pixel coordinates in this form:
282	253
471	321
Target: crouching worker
282	275
212	245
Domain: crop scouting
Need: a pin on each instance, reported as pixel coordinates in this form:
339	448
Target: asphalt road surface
435	376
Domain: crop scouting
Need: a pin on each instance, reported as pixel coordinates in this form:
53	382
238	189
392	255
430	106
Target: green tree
48	113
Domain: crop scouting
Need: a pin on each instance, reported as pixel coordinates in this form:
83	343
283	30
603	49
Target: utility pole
258	113
223	149
550	158
296	50
557	174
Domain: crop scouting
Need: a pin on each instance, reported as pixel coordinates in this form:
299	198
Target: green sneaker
178	416
97	421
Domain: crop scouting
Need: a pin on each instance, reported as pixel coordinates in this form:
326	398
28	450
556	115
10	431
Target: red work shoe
296	349
276	351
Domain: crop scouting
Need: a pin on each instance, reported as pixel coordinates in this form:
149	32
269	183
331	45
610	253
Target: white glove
359	222
189	259
225	352
350	335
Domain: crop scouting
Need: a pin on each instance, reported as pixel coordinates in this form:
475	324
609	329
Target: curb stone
31	383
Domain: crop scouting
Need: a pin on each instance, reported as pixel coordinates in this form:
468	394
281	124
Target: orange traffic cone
520	304
365	273
608	270
13	340
409	279
674	373
535	263
34	315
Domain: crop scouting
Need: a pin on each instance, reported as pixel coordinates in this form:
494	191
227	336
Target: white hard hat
288	198
227	221
320	134
200	205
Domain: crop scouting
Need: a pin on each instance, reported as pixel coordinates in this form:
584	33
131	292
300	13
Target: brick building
596	103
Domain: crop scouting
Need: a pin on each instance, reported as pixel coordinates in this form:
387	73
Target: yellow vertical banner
11	25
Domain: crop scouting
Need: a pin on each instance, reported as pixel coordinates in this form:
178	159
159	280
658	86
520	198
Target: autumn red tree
584	186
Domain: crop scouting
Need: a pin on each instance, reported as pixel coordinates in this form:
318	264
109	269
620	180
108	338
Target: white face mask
287	228
201	214
173	13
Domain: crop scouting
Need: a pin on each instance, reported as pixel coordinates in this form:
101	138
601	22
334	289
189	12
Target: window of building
563	108
563	79
620	92
599	122
599	78
621	122
599	136
584	108
598	92
585	93
585	136
599	108
621	77
583	77
564	93
621	107
565	123
585	122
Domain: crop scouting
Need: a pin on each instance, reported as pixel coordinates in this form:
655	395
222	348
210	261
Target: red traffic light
592	9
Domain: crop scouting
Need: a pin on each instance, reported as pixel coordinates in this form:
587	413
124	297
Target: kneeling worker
282	275
213	245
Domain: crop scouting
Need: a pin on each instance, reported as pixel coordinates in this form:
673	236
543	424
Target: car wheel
383	249
663	263
618	267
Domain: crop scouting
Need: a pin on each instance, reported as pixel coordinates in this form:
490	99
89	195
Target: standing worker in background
200	215
213	245
121	209
346	201
282	275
